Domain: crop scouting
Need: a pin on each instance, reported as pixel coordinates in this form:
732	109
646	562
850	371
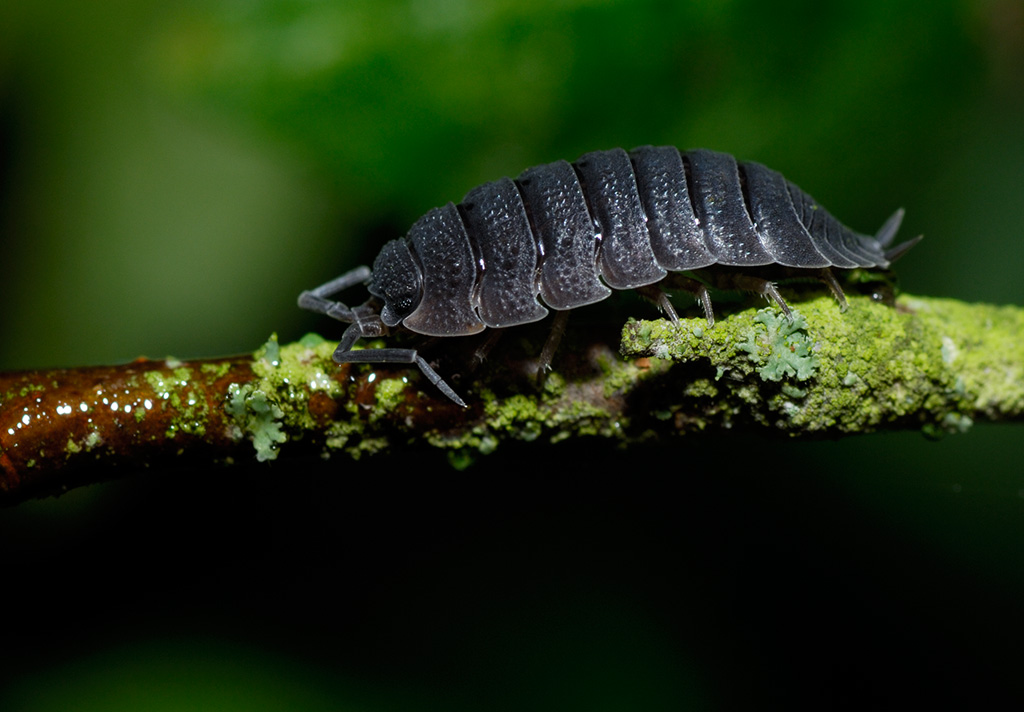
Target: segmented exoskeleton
563	235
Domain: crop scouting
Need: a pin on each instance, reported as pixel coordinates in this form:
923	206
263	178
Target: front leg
397	356
316	300
368	325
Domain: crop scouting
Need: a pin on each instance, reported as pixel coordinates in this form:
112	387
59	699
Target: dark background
172	175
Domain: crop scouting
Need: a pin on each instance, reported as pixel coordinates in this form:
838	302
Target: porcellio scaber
563	235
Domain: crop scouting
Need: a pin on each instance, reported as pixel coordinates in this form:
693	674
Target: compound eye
395	310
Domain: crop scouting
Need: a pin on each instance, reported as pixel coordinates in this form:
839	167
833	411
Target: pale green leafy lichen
311	340
784	349
276	401
270	351
258	417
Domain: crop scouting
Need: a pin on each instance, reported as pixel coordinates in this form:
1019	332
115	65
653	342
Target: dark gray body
563	235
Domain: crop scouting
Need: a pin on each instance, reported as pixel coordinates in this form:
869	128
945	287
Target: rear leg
829	278
767	288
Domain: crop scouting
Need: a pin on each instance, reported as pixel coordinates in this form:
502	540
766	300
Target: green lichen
701	387
792	391
783	349
139	412
462	459
618	375
215	370
957	422
825	371
949	350
184	395
31	388
258	417
390	392
526	417
311	340
933	360
270	351
288	376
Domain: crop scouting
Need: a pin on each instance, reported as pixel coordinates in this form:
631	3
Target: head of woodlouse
396	281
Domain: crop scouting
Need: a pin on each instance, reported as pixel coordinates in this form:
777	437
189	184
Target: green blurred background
172	175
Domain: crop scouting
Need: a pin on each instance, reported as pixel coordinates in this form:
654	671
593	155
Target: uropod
563	235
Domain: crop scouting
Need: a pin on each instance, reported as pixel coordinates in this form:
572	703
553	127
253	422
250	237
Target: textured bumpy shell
565	235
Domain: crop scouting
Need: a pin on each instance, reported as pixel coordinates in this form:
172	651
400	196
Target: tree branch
933	364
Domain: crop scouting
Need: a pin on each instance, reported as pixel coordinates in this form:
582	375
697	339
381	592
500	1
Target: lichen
290	375
257	416
856	369
825	370
311	340
390	392
215	370
783	349
185	396
270	351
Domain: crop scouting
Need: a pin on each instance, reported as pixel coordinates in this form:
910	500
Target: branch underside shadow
930	364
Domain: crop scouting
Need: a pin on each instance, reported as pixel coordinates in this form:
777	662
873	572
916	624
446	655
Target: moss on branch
932	364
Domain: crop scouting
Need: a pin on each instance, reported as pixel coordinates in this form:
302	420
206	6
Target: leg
316	300
829	279
551	345
699	291
657	295
399	356
480	355
365	323
763	287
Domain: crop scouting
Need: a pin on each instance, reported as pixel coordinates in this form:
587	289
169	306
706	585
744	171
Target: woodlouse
563	235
